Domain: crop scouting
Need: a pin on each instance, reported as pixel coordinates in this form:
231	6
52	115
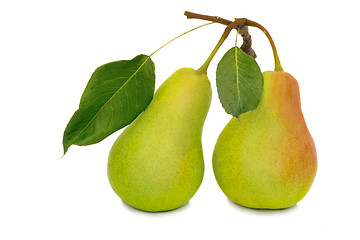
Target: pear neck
280	93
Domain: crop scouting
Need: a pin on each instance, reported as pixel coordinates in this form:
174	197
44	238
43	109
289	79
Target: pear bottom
262	178
154	181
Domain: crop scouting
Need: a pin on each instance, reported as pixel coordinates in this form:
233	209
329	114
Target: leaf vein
92	119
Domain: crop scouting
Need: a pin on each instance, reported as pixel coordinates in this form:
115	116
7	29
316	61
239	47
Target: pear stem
204	67
223	21
235	24
278	66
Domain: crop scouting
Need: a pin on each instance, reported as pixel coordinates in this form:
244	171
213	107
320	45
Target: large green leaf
239	82
115	95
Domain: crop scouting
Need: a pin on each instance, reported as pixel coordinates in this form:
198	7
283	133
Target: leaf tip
65	147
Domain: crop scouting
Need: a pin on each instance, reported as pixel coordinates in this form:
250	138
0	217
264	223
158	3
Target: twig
238	23
216	19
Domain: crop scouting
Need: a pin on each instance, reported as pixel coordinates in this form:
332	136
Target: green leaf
239	82
115	95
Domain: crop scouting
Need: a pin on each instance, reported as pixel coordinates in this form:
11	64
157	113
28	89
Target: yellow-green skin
266	158
157	163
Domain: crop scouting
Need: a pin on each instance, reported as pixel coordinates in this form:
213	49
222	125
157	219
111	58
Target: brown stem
278	66
239	23
246	47
207	18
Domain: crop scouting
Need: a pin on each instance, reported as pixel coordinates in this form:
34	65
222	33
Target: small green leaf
239	82
115	95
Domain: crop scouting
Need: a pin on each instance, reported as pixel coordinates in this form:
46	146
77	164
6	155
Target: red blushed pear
266	158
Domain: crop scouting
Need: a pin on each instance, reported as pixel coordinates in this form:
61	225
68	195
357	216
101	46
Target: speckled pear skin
157	163
266	158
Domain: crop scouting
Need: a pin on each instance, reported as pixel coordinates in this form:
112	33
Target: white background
48	51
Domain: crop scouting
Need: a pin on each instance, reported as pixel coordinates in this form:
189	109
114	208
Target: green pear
266	158
156	164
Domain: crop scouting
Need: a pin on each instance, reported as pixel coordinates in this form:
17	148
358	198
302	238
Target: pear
266	158
156	164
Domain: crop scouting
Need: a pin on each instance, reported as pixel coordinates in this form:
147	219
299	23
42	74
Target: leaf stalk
179	36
